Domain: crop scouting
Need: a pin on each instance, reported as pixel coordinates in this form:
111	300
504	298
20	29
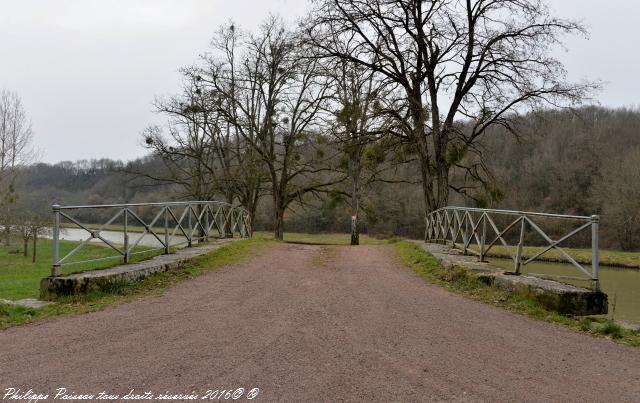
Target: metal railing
171	224
473	225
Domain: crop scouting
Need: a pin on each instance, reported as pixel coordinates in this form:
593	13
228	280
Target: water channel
621	285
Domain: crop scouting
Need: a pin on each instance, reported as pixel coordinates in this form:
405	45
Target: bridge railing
170	225
474	227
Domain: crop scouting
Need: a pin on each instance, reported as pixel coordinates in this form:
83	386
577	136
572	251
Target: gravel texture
318	323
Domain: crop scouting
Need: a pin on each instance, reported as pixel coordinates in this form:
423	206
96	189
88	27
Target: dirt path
311	323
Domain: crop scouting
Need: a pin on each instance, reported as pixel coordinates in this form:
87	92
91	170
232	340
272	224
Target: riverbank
626	260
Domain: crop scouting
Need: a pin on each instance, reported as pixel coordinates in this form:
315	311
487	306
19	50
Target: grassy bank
461	281
154	285
614	258
20	278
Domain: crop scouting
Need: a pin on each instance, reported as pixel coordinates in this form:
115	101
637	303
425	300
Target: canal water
117	238
621	285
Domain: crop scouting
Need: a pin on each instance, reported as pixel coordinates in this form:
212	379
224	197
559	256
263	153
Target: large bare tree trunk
355	200
355	230
279	186
278	223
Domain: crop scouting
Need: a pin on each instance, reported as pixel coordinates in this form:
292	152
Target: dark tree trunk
431	200
355	231
278	223
35	242
279	203
355	198
25	250
430	203
7	234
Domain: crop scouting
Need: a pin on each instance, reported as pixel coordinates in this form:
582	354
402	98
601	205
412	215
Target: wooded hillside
581	162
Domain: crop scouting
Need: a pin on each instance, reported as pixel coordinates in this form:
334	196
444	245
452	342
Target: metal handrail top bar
514	212
178	203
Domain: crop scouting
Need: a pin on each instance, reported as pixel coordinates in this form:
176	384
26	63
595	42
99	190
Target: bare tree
359	130
462	67
273	97
29	225
202	154
187	149
15	151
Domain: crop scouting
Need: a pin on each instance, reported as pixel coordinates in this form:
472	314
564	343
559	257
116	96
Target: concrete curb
552	295
85	282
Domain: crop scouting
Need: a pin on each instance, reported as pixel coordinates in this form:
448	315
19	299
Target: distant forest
584	162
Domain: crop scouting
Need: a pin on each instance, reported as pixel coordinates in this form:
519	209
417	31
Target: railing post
206	222
519	249
483	237
435	227
166	230
126	235
55	268
595	251
241	223
190	238
465	236
230	223
446	226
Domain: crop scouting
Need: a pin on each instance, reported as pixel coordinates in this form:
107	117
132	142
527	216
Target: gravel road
317	323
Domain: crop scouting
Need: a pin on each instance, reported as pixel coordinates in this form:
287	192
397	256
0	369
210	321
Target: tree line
583	161
337	104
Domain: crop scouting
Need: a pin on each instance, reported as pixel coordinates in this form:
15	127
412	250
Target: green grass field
322	239
20	278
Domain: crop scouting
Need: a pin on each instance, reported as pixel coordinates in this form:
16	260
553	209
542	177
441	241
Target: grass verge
461	281
20	278
124	292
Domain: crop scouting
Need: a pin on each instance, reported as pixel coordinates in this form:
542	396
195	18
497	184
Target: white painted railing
172	224
477	227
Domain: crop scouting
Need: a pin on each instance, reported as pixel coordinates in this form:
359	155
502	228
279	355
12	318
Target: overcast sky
87	70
